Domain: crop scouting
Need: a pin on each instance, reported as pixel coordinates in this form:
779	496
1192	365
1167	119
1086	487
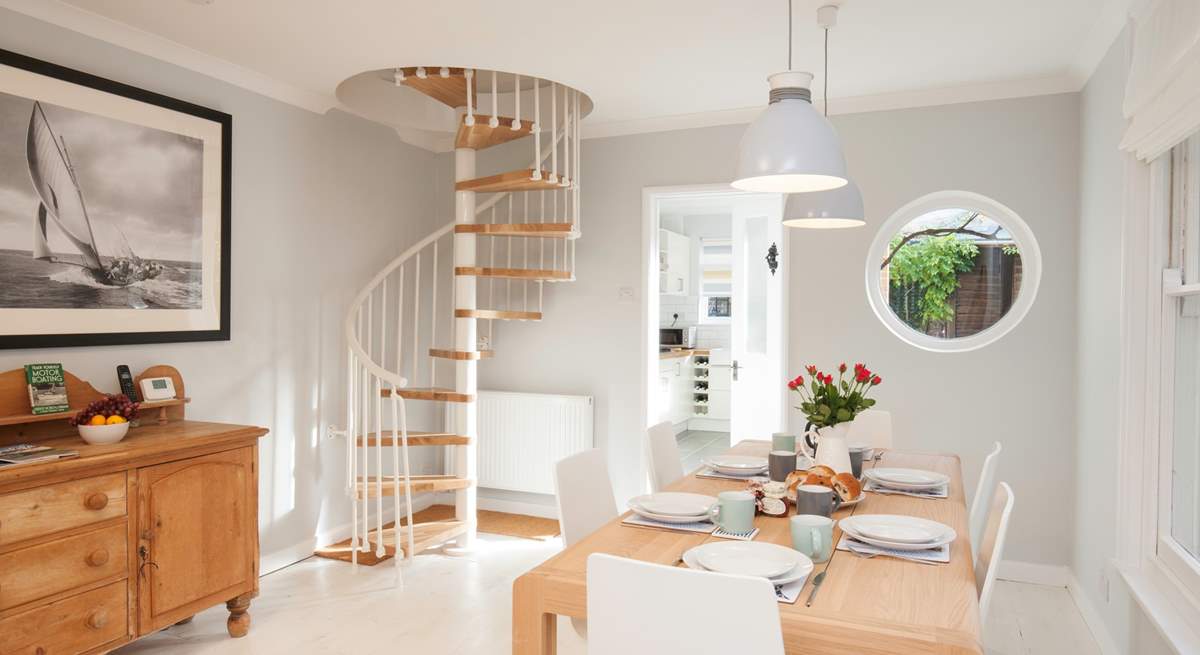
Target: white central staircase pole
465	371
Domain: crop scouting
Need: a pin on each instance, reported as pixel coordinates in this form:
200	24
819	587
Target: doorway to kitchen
715	316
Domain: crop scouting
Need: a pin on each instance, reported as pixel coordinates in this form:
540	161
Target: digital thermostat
158	389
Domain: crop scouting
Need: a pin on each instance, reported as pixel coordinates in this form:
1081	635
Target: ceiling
647	64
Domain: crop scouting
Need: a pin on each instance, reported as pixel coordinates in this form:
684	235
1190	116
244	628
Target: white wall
1022	152
1101	199
319	204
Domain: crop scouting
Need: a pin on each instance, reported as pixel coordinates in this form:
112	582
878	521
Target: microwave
684	337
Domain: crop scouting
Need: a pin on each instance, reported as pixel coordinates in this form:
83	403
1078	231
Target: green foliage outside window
930	267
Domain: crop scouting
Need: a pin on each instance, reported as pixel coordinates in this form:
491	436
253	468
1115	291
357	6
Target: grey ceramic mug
817	500
780	464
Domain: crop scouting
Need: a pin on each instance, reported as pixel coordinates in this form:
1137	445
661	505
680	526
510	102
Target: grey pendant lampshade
835	208
790	147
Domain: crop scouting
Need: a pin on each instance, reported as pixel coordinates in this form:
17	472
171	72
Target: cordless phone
126	381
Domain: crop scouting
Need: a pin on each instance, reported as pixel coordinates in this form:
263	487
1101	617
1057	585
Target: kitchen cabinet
674	263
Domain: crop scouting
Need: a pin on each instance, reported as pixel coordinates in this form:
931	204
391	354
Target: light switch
625	295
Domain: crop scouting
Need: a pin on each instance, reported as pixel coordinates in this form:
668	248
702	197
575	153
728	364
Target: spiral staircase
418	330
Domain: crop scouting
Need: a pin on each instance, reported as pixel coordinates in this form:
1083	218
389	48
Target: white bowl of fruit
106	420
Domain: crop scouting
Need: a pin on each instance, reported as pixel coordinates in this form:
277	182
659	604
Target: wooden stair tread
497	314
420	484
543	230
513	273
450	91
430	393
482	135
460	355
416	439
425	536
519	180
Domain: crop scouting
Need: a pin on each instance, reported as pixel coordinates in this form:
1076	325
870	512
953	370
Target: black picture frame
225	121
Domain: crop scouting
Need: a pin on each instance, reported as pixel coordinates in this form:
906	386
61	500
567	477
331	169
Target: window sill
1172	613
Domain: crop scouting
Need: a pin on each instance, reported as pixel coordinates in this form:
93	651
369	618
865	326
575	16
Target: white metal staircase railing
399	327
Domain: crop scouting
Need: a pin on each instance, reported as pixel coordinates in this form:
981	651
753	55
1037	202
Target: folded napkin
707	472
939	555
937	492
790	592
702	527
738	536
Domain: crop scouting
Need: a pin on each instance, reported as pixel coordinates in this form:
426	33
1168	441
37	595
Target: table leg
535	632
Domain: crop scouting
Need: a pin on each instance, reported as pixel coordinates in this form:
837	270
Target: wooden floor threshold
416	439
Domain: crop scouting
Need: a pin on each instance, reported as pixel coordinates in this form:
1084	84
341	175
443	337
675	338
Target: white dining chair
665	464
872	427
638	608
980	504
992	547
585	499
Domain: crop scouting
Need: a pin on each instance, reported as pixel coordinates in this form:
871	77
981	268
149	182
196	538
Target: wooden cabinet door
197	535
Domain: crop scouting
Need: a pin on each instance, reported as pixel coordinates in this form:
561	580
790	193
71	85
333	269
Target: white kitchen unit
675	391
711	378
674	263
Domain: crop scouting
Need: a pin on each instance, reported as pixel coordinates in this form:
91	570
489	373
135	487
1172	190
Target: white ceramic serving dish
907	479
867	527
754	558
667	518
800	571
103	434
675	503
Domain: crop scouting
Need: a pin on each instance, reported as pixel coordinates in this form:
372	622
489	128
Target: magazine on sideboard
27	453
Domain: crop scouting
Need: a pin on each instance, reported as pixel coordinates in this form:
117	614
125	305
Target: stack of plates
673	507
898	532
907	479
737	464
776	563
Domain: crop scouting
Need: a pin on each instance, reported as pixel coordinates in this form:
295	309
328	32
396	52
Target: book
31	454
47	388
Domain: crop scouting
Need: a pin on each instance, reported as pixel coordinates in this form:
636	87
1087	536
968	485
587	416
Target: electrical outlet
626	295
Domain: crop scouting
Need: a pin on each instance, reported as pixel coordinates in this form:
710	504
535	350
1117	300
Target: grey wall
1101	201
319	204
1022	152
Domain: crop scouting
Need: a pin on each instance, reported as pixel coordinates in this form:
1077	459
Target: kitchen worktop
682	352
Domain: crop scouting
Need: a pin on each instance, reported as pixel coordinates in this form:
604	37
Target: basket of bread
845	486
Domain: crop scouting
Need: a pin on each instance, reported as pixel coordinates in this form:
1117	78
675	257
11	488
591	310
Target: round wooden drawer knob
96	501
98	557
98	619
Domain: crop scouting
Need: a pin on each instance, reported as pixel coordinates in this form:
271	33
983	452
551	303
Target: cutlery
867	554
816	585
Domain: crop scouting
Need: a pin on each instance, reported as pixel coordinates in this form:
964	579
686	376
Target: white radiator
522	436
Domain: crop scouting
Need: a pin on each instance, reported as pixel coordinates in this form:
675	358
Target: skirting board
284	557
709	424
1095	623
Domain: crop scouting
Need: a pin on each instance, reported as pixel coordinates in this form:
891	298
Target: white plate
758	559
737	464
902	529
850	526
675	503
667	518
907	479
852	503
799	572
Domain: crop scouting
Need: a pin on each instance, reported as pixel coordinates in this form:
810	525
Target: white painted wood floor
463	605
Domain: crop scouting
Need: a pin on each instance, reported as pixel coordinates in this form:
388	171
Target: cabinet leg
239	620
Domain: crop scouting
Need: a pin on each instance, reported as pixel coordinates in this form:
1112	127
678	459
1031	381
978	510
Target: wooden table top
879	605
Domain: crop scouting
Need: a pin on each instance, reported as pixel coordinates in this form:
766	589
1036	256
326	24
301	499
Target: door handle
734	369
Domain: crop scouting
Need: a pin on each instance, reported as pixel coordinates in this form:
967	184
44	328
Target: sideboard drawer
71	625
61	565
44	510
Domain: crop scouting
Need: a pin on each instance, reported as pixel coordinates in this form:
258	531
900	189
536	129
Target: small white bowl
103	434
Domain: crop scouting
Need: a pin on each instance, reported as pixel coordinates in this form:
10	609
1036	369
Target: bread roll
823	470
818	477
846	486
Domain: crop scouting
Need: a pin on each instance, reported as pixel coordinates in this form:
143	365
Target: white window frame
1161	575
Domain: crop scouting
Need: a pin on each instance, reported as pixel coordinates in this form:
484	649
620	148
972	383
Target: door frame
650	291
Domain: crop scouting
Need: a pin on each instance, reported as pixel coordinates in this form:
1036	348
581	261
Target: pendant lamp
790	147
834	208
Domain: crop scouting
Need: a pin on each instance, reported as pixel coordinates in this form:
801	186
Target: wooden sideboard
129	538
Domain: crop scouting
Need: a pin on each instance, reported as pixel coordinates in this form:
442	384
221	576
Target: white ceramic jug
832	448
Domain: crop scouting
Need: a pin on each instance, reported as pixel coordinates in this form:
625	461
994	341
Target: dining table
866	606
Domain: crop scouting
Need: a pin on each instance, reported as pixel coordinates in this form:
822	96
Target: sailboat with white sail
62	203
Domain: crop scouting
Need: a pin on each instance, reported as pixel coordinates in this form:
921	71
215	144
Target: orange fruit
115	419
97	420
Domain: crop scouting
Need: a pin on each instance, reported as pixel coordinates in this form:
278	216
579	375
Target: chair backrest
584	493
665	464
872	427
992	547
638	608
981	503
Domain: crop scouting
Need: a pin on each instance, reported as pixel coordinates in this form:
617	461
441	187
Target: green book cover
47	388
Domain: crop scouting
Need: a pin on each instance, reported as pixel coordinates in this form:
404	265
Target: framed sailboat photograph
114	212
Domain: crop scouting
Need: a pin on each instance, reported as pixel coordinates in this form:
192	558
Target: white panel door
757	334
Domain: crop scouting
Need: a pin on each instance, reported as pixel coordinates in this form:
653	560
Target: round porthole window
953	271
